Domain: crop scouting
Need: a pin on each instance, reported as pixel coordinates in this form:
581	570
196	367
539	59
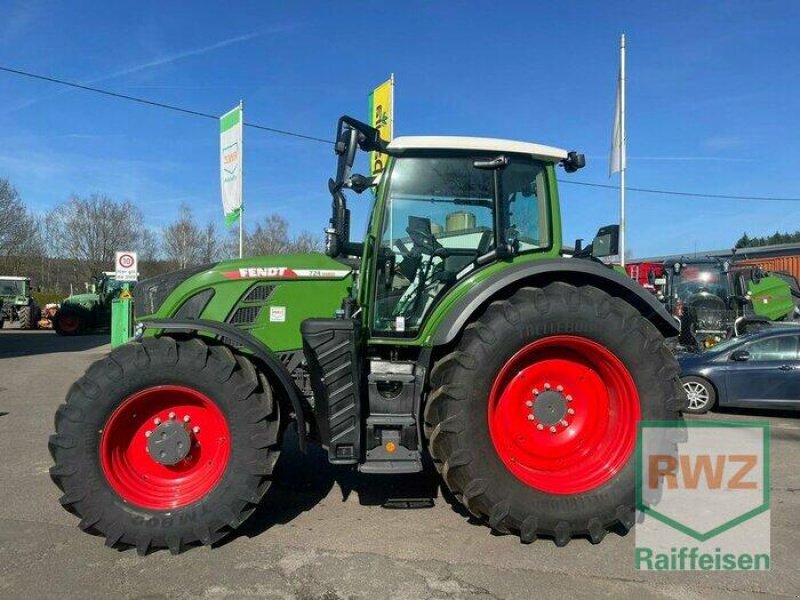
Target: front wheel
166	444
700	395
533	418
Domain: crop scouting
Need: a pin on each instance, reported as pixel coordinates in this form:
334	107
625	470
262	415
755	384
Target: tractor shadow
14	343
301	481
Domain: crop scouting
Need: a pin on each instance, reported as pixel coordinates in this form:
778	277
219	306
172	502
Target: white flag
230	157
617	161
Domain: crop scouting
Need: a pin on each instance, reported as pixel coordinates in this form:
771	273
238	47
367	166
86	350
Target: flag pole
623	150
241	174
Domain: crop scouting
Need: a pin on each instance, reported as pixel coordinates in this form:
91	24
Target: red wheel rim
563	414
69	323
136	476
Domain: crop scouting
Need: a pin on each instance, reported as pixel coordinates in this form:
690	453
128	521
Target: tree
18	228
306	242
212	248
183	241
88	231
271	236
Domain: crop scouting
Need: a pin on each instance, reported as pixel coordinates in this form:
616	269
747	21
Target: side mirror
606	242
346	146
740	355
573	162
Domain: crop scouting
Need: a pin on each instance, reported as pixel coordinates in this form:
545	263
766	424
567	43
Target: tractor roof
13	278
445	142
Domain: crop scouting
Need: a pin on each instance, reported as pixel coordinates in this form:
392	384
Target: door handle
786	368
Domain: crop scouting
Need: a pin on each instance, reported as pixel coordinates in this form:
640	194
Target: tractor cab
444	207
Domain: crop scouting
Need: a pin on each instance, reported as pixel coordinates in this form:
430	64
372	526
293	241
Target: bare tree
18	228
184	243
305	242
88	231
212	248
271	236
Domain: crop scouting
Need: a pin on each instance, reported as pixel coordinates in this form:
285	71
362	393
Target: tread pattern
254	419
452	380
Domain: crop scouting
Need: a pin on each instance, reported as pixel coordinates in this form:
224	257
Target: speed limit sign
126	266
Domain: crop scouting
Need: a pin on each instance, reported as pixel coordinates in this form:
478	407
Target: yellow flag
381	116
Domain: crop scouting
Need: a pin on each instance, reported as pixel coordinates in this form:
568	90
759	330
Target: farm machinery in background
17	303
716	298
91	311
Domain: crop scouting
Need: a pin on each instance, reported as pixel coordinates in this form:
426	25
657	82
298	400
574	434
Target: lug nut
540	427
148	433
559	388
547	386
195	429
535	391
157	421
565	424
569	398
570	411
552	429
172	415
529	403
531	417
186	419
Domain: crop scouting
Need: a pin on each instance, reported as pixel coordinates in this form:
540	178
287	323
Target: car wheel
700	394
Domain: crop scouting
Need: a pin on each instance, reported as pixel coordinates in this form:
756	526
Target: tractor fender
574	271
260	351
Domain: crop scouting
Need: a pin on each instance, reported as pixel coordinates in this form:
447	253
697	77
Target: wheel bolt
552	429
569	398
540	427
547	386
529	403
570	411
196	429
157	421
186	419
535	391
172	415
531	417
565	424
559	388
148	433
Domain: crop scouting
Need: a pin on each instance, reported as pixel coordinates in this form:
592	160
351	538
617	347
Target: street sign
126	266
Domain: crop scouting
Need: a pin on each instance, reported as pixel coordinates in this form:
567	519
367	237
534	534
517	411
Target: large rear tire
532	418
69	322
166	444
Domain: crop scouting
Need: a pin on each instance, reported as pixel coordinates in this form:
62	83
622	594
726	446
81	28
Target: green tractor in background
455	330
84	313
717	299
16	302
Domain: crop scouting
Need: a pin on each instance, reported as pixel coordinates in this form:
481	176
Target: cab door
770	375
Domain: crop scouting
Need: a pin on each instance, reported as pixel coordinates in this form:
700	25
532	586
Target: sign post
126	268
231	167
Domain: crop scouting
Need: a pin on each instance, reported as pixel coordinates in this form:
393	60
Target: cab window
439	218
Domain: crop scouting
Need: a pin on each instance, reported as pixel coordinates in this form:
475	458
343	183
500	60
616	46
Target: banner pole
241	174
624	151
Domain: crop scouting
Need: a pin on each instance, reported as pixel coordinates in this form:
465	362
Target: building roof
744	253
445	142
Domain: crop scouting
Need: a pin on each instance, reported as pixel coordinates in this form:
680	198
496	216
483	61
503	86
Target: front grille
245	315
259	293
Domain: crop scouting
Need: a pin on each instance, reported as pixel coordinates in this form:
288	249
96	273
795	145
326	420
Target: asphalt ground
322	532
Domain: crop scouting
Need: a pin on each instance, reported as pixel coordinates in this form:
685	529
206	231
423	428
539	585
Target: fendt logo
703	497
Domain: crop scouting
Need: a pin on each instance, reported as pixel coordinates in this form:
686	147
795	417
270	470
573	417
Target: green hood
86	300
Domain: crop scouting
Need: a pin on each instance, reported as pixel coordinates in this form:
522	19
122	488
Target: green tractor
84	313
16	302
716	299
455	331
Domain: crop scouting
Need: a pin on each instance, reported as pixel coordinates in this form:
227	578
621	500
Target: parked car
760	369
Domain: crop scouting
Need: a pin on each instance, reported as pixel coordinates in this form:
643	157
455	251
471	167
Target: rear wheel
533	418
166	444
700	395
67	322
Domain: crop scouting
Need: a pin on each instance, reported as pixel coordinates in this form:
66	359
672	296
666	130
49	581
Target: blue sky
712	101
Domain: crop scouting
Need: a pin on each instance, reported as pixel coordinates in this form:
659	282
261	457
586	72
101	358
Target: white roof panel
445	142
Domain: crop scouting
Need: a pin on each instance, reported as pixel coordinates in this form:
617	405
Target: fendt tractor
456	330
84	313
17	302
717	299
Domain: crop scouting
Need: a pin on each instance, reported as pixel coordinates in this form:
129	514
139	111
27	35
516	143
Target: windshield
696	279
439	218
12	287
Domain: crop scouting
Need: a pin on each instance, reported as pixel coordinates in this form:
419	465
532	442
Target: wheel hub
169	444
549	408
